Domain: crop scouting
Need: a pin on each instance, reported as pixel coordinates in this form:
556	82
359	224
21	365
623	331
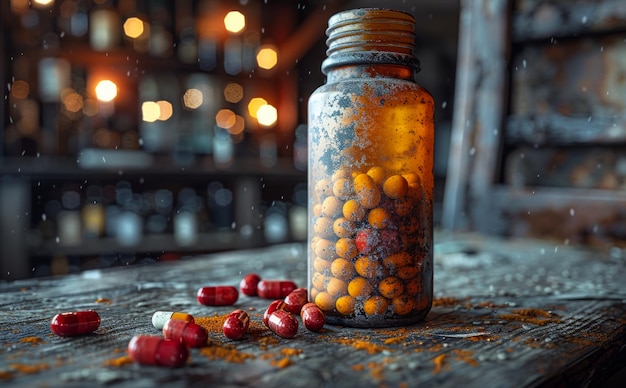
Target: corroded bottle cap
370	36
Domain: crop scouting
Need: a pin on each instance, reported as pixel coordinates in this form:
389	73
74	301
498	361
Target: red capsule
75	323
296	299
236	324
218	296
188	333
249	283
278	304
312	317
283	323
153	350
275	289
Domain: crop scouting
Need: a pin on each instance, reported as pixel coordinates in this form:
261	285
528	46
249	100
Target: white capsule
160	317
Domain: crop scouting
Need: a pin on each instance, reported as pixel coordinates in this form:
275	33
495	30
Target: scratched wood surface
506	313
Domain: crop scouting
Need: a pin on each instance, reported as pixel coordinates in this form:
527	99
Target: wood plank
506	313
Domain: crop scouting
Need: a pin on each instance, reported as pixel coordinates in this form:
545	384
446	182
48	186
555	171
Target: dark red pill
278	304
188	333
312	317
249	283
75	323
283	323
218	296
153	350
236	324
275	289
296	299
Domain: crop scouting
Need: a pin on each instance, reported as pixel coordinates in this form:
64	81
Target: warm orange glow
20	89
233	92
133	27
225	118
267	115
73	101
106	90
43	3
150	111
254	105
267	57
238	127
165	110
192	98
234	21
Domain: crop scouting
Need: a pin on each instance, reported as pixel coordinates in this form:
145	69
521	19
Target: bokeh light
165	110
267	115
106	90
20	89
254	105
150	111
225	118
267	57
193	98
234	21
133	27
233	92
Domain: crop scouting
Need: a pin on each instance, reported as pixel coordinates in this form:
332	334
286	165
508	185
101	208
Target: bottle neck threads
370	36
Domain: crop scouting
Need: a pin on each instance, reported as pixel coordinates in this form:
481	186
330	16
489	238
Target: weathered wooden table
506	313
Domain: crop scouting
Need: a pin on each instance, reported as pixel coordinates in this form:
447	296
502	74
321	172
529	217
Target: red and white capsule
249	284
296	299
155	350
75	323
275	289
312	316
278	304
188	333
236	324
282	323
217	296
160	317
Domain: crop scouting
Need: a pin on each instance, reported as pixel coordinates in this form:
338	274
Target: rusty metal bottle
371	139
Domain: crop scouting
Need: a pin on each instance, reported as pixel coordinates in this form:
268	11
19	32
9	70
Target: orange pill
377	174
341	173
344	227
367	191
321	265
343	188
319	280
323	188
332	207
368	267
359	288
395	187
398	260
390	287
336	287
342	268
379	218
317	210
325	249
353	211
346	248
325	301
412	177
402	304
345	305
375	305
407	272
323	227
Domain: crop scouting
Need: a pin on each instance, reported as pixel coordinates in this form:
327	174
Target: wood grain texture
506	313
